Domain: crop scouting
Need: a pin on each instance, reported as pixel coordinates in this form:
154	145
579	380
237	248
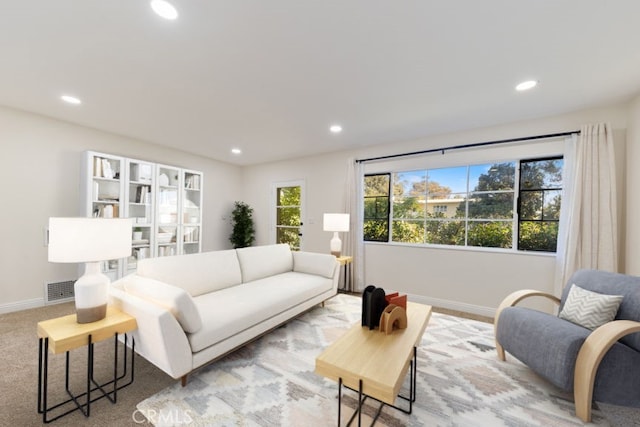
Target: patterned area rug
271	382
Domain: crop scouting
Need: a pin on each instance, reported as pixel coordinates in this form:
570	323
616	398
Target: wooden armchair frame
590	355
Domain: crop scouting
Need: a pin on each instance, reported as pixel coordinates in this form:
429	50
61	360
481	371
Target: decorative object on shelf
373	304
89	240
137	234
243	233
336	222
163	180
393	317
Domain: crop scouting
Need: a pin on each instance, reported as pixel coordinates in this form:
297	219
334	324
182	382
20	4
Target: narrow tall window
376	207
539	204
289	215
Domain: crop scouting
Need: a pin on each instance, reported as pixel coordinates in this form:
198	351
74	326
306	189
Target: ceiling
269	77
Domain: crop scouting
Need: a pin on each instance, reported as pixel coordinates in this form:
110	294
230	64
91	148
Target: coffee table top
380	360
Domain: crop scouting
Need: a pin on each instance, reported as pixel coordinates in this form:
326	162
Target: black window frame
542	219
386	218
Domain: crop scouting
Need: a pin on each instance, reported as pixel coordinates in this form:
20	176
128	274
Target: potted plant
137	233
243	233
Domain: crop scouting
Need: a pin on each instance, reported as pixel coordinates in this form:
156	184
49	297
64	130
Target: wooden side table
345	262
64	334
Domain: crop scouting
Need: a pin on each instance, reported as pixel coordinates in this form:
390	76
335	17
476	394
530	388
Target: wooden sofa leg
322	304
183	380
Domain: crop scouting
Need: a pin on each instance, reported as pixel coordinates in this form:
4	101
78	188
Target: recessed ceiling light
236	151
335	128
71	99
164	9
529	84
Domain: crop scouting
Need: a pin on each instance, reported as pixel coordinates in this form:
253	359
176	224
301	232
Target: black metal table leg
85	405
413	373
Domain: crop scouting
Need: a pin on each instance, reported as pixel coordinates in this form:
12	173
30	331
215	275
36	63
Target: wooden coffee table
375	364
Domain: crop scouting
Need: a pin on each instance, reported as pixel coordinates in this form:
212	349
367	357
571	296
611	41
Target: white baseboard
453	305
21	305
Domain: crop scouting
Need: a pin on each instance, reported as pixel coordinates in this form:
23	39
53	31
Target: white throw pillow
589	309
175	299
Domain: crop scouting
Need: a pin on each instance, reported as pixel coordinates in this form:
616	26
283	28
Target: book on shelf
142	194
106	211
192	182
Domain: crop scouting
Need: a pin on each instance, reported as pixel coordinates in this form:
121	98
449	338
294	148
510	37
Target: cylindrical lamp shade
89	240
336	222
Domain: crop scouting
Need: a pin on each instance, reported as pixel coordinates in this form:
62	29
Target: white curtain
589	236
354	239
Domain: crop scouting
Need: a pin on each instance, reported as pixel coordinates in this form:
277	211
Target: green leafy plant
243	233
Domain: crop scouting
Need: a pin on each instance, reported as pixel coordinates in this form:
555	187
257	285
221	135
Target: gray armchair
601	365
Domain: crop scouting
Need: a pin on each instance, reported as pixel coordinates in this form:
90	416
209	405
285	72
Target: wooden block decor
396	299
393	317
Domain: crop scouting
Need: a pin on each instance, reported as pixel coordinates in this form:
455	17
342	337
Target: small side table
345	262
64	334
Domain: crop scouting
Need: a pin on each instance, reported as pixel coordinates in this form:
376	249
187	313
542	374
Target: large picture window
474	205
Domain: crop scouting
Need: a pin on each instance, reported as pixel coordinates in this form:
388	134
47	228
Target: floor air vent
58	292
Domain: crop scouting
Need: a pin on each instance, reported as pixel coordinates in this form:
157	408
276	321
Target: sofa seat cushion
544	342
195	273
230	311
258	262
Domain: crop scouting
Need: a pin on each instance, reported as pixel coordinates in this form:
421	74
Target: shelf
101	178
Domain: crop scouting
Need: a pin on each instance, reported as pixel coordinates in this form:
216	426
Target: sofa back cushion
612	284
195	273
258	262
173	298
323	265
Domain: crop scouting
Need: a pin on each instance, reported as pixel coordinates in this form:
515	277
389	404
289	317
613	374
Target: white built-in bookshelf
165	203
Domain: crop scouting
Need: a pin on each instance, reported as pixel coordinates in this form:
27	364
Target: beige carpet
19	379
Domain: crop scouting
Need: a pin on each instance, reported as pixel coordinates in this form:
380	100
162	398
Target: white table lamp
89	240
336	222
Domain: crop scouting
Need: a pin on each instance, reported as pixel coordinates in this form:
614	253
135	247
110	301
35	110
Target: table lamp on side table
89	240
336	222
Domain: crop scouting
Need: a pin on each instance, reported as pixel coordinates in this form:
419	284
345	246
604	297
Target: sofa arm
510	301
591	353
159	338
324	265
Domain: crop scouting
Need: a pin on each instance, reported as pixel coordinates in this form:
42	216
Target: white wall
469	280
632	252
40	176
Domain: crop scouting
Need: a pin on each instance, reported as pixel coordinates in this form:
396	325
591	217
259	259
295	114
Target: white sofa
192	309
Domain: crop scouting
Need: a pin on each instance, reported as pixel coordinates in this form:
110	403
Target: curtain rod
475	144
